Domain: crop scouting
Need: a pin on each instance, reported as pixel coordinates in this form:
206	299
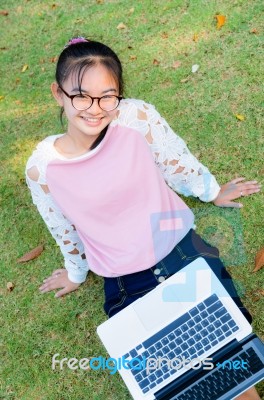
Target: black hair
79	56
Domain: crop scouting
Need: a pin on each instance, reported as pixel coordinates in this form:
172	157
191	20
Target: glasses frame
119	98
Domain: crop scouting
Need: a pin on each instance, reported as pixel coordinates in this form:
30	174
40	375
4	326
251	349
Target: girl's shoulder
133	111
44	151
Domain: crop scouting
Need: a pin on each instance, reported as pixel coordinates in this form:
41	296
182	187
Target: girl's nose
94	107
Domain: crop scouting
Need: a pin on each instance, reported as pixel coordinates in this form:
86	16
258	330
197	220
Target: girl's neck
69	146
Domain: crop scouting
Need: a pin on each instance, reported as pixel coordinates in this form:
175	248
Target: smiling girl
106	187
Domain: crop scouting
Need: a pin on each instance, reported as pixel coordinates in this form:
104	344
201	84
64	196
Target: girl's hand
59	279
234	190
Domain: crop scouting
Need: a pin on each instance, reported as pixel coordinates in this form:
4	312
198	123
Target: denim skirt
124	290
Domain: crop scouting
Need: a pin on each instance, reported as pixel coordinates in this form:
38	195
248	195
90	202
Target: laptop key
133	353
144	383
138	377
158	345
225	318
210	300
145	390
194	311
152	377
190	323
214	307
221	312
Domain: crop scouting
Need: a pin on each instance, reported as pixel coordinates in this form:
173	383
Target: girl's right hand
59	279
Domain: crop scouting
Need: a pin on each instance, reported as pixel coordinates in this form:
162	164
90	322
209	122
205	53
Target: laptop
184	340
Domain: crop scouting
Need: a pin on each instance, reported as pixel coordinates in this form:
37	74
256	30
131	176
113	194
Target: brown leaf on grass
155	62
100	1
31	254
53	59
221	20
164	35
259	260
4	12
121	26
176	64
10	286
255	31
195	37
53	6
132	58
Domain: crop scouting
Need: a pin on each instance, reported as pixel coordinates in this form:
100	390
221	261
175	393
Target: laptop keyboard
189	337
222	379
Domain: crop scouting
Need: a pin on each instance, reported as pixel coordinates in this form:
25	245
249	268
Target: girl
101	190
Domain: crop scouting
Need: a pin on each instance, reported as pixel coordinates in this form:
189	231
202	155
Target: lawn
158	42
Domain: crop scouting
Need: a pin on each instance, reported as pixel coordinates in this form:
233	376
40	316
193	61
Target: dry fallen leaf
184	80
4	12
10	286
54	6
100	1
221	20
133	57
195	37
255	31
24	68
240	117
164	35
121	26
259	260
31	254
176	64
155	62
53	59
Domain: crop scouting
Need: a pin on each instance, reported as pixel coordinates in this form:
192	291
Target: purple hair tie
79	39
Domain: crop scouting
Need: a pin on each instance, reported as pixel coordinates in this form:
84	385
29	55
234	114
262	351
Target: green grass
202	109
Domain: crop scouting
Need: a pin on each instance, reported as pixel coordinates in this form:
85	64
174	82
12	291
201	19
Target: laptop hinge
185	380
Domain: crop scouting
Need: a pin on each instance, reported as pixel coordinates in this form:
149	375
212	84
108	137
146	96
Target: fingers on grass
232	204
237	180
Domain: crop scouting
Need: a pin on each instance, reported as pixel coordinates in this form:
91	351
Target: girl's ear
57	93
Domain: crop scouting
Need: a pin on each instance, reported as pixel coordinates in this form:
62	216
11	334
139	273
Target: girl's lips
92	121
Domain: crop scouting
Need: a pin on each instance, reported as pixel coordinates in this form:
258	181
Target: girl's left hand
234	190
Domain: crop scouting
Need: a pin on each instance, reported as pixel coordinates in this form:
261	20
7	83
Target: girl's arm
61	229
181	170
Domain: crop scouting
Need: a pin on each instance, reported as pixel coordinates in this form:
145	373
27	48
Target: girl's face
87	125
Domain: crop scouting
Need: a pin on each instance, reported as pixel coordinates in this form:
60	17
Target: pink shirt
125	214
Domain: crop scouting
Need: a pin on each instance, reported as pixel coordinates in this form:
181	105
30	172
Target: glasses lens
81	102
108	103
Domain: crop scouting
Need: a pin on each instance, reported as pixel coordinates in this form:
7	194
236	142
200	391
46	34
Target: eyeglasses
84	101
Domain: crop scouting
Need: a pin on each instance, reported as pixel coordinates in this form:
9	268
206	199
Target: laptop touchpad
153	311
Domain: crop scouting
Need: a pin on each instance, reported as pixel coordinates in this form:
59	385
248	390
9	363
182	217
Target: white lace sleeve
59	226
181	170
